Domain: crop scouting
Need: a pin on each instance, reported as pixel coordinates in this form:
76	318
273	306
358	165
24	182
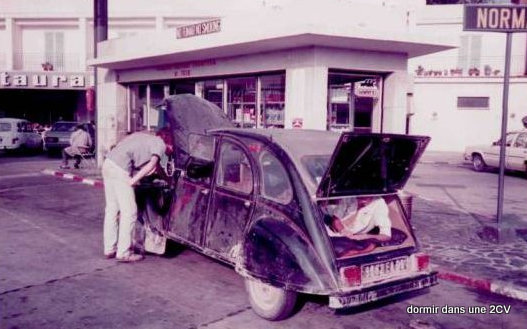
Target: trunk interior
366	229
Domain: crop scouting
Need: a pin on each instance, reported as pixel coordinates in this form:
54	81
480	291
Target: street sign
495	18
507	19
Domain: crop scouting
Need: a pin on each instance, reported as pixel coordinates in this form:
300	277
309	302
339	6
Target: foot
110	255
130	258
64	167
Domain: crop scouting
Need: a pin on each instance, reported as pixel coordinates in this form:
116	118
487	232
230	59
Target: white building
282	64
45	44
457	94
340	64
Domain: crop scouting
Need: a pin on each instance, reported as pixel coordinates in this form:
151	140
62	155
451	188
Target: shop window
241	101
273	101
138	107
212	91
145	105
473	103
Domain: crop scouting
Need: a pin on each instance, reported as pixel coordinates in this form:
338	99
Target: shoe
130	258
64	167
76	166
110	255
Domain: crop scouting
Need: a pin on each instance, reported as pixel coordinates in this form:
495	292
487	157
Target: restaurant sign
193	30
495	18
44	80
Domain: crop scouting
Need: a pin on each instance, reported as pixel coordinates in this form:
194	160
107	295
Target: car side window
521	141
234	171
275	181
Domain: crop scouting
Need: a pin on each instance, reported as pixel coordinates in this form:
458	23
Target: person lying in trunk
369	221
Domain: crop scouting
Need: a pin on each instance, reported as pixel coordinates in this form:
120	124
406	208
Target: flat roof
277	30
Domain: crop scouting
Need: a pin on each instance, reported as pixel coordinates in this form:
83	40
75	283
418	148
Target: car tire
478	164
269	302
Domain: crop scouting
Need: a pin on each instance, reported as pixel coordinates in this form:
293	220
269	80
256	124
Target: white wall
436	113
448	19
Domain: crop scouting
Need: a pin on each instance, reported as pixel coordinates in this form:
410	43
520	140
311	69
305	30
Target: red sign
298	123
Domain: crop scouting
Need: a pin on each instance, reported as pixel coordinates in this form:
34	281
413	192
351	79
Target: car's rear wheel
478	164
270	302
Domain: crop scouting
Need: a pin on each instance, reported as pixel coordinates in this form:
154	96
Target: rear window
316	166
5	126
64	126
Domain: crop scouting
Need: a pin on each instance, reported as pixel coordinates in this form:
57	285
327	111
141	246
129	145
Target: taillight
423	262
351	275
15	140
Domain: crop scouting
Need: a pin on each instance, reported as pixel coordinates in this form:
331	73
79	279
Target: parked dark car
59	136
260	200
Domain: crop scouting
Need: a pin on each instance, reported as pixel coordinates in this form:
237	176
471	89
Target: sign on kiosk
495	18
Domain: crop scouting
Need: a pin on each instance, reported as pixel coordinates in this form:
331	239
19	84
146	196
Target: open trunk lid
371	164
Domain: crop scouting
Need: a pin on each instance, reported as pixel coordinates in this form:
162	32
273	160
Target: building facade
298	72
457	95
45	44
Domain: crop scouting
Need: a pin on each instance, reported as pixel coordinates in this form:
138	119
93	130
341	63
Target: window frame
472	108
262	184
219	170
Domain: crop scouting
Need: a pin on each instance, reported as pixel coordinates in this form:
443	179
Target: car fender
276	252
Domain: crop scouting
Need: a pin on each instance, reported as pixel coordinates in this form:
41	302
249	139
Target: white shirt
375	214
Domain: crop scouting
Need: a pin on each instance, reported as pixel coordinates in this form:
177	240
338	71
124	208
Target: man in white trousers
133	158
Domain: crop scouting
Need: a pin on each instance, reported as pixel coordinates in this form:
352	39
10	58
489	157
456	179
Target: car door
492	154
232	200
517	152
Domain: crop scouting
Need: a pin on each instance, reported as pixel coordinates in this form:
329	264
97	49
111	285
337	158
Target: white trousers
120	216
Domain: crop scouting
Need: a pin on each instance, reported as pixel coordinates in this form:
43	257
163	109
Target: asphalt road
53	275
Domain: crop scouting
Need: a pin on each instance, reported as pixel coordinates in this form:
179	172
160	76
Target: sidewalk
460	246
443	158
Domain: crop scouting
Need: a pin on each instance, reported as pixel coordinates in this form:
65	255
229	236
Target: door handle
247	204
205	191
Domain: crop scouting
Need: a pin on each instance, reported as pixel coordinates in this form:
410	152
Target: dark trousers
66	156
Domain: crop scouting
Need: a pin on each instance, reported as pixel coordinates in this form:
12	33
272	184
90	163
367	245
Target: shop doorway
352	101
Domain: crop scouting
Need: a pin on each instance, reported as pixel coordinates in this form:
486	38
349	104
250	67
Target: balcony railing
59	62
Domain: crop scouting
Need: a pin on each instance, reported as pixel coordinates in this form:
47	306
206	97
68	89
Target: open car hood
189	114
371	164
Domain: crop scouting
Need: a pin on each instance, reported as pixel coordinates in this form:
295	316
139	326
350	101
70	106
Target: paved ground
455	218
52	276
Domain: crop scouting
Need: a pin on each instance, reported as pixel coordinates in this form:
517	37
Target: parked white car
18	134
485	156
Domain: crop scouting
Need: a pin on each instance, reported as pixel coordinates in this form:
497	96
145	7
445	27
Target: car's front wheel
478	164
270	302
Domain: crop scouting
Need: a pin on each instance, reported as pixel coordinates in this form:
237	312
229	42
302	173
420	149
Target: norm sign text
495	18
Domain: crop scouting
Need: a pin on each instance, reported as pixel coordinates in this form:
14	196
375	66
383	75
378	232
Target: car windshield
64	126
316	166
5	126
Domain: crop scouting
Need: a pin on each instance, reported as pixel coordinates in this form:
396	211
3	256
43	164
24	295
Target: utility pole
100	33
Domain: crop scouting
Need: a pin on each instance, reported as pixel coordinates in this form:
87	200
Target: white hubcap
265	295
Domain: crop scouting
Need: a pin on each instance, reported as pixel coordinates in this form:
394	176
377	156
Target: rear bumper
374	293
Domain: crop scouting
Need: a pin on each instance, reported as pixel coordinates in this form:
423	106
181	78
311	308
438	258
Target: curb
497	287
75	178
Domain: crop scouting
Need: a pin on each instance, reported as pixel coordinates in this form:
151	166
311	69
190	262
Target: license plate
384	270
